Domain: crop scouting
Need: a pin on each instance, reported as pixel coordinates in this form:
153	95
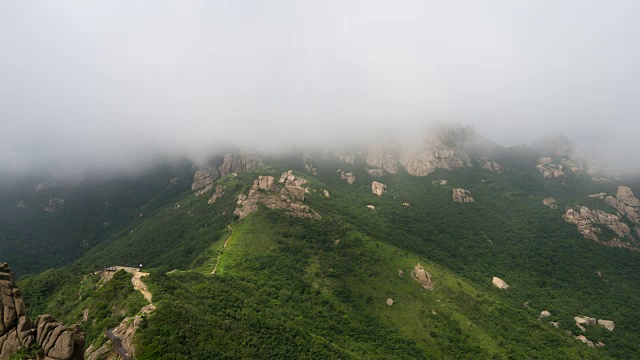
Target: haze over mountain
110	84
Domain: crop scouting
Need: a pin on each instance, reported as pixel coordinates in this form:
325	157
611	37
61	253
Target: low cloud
110	84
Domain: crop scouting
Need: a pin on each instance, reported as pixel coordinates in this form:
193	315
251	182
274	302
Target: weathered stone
585	320
585	340
389	301
586	220
607	324
499	283
17	332
235	162
217	194
203	178
378	188
626	203
544	314
462	195
550	202
422	277
492	166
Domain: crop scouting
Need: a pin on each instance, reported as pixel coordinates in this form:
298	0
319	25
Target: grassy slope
284	289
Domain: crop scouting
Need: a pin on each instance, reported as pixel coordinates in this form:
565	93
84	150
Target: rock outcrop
626	203
203	178
58	342
492	166
422	277
544	314
378	188
550	202
55	206
390	301
607	324
499	283
217	194
347	176
585	340
445	146
376	173
264	190
381	157
462	195
548	169
586	221
236	162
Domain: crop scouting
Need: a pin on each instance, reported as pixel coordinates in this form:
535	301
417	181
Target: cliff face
56	340
441	147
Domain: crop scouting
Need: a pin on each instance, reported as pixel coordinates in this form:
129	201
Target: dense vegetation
289	287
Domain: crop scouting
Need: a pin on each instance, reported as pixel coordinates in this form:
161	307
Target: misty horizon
111	85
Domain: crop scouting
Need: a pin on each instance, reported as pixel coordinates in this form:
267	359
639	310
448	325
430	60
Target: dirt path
215	267
136	279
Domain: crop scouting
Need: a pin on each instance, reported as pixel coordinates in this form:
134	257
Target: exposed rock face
371	207
492	166
584	321
378	156
607	324
378	188
389	301
217	194
544	314
55	206
203	178
326	193
499	283
239	163
265	191
441	147
347	176
600	196
626	203
174	181
586	220
550	202
17	332
406	204
422	277
585	340
548	169
462	195
440	182
376	173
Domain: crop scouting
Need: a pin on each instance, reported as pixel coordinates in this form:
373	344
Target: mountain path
215	267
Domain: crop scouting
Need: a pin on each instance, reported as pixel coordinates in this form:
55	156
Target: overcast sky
105	82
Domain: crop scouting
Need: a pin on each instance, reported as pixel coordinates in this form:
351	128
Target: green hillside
291	287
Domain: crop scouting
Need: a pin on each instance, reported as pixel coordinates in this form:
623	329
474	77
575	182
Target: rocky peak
17	332
265	190
204	177
626	203
235	162
444	146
